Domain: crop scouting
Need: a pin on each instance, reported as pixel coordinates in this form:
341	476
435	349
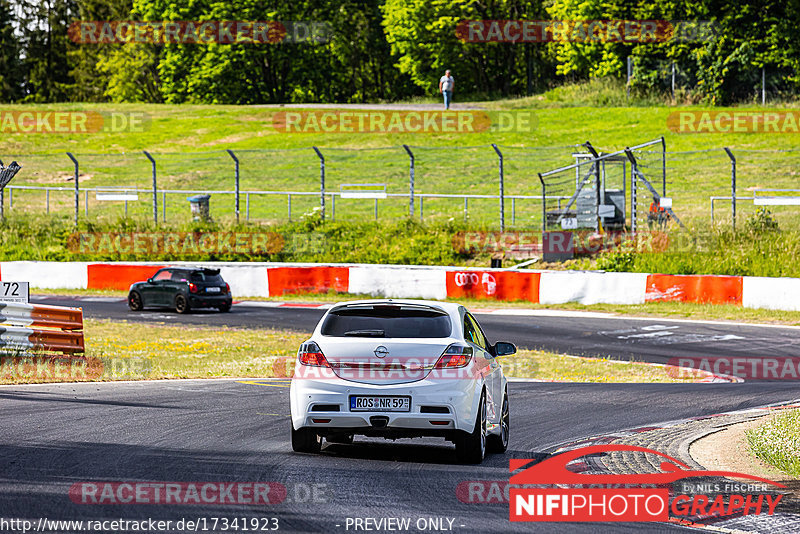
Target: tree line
383	50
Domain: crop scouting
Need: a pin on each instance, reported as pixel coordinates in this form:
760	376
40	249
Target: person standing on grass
446	84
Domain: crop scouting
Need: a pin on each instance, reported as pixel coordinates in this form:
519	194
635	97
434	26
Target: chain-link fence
678	81
496	186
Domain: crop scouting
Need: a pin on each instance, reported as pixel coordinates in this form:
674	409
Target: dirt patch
728	450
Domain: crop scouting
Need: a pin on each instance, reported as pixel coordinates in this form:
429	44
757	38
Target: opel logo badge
381	352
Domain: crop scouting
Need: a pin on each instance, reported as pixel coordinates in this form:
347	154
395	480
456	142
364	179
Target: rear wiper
365	333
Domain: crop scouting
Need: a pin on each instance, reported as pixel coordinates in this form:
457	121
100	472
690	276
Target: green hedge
759	249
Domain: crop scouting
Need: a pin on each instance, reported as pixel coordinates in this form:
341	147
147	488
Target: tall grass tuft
777	441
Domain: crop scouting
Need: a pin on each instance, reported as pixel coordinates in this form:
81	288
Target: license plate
213	290
371	403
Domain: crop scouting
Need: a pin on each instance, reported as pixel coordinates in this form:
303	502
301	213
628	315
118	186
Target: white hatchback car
399	369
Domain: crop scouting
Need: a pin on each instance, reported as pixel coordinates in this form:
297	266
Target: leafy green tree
353	65
424	40
86	60
45	42
749	36
10	73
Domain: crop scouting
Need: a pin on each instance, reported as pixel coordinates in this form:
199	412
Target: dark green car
182	289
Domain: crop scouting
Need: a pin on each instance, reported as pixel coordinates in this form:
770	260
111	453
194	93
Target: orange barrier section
111	276
709	289
57	316
56	340
62	332
497	285
283	280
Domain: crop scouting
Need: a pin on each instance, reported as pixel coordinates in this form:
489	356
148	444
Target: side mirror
502	348
149	280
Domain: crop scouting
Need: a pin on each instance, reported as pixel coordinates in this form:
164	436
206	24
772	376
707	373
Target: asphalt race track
650	340
227	431
57	436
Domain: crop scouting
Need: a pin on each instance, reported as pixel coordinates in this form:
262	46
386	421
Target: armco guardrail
42	328
408	281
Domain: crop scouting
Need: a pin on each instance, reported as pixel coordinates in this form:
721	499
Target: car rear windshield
395	321
206	277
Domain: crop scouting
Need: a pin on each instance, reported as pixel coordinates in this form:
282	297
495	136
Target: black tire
471	447
182	304
499	444
306	440
225	308
135	301
344	439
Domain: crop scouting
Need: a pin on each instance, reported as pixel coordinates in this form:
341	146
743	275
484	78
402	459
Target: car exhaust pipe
379	421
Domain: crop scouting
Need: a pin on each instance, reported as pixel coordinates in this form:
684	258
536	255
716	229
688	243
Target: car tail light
311	354
227	288
192	287
454	356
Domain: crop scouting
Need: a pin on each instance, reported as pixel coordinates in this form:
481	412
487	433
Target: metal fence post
634	191
410	182
628	83
598	200
321	180
733	186
86	202
155	187
502	192
513	211
164	206
236	202
544	204
712	211
673	82
77	191
663	167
